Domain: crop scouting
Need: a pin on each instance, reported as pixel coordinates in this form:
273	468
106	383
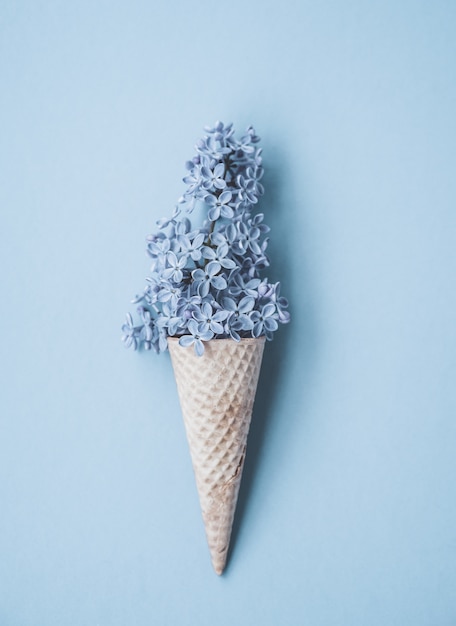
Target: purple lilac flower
236	325
245	144
211	147
220	130
159	342
130	333
281	304
146	329
222	135
219	206
257	221
249	238
218	238
169	293
238	319
157	248
239	286
219	255
188	303
264	320
192	246
265	289
245	305
152	290
247	190
196	337
169	320
182	227
175	265
207	277
193	179
213	178
209	320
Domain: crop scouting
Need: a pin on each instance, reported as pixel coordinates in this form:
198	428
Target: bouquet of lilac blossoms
205	282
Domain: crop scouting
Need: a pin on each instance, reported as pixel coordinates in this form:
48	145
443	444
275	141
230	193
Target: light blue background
347	514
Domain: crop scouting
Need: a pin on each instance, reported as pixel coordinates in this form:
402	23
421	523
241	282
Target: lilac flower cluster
205	282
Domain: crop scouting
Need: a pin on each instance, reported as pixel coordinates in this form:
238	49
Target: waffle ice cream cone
216	393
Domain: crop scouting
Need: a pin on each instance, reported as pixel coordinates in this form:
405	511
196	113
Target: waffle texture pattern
216	393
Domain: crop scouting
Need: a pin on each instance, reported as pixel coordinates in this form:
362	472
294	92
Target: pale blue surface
348	507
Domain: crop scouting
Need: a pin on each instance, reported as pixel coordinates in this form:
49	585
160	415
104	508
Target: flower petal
203	288
225	197
199	347
193	327
219	282
213	268
246	304
186	340
268	310
229	304
216	327
270	324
